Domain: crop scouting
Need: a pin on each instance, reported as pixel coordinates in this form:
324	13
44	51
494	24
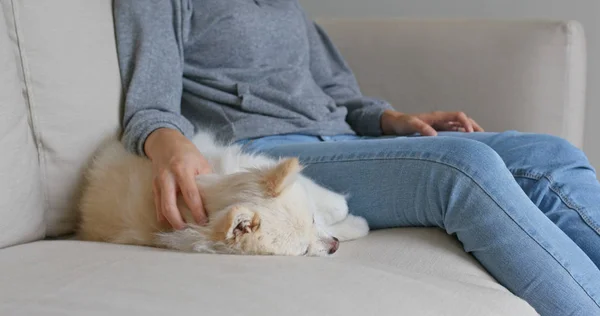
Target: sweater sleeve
334	76
150	36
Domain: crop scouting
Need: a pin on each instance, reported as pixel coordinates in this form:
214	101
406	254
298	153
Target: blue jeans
527	206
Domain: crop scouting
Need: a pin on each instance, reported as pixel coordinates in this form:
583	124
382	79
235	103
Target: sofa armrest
508	75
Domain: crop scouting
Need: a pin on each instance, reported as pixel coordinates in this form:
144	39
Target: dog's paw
352	227
332	208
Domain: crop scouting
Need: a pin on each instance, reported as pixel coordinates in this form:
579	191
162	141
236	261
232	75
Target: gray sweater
241	68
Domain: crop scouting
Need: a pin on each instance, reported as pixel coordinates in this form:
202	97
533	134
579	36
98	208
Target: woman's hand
176	162
427	124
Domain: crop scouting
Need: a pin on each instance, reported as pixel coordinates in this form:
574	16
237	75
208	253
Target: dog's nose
334	246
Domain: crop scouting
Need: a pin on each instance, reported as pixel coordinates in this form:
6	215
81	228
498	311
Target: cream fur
256	205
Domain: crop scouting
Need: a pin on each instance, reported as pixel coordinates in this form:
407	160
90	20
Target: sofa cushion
391	272
68	52
21	210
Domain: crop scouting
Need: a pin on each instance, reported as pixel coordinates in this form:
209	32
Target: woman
260	73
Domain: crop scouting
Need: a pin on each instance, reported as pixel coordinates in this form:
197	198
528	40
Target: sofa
61	97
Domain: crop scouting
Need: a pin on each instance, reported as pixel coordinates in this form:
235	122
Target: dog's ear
239	221
278	178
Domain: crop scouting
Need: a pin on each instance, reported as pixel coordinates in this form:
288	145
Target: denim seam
564	198
484	190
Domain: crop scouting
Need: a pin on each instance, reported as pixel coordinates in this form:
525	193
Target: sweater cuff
366	120
143	124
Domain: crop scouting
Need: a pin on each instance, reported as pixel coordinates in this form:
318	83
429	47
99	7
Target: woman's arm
150	36
335	77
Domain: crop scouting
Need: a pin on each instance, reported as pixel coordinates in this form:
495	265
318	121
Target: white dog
255	205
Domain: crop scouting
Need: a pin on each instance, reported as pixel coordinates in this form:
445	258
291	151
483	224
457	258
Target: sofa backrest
69	89
61	94
21	202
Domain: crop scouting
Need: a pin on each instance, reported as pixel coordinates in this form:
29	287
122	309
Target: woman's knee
470	156
475	177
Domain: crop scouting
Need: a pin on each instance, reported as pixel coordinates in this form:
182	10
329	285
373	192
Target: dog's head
264	211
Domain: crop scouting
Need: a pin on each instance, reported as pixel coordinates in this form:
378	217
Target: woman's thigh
395	182
555	175
530	153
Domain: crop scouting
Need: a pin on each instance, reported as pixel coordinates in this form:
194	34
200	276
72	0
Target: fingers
176	162
168	196
421	127
450	126
191	195
463	119
476	126
451	121
157	205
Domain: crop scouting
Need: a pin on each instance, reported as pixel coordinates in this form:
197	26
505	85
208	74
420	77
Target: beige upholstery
60	96
432	278
21	208
73	86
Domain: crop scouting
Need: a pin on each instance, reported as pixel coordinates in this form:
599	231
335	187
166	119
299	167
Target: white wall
584	11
